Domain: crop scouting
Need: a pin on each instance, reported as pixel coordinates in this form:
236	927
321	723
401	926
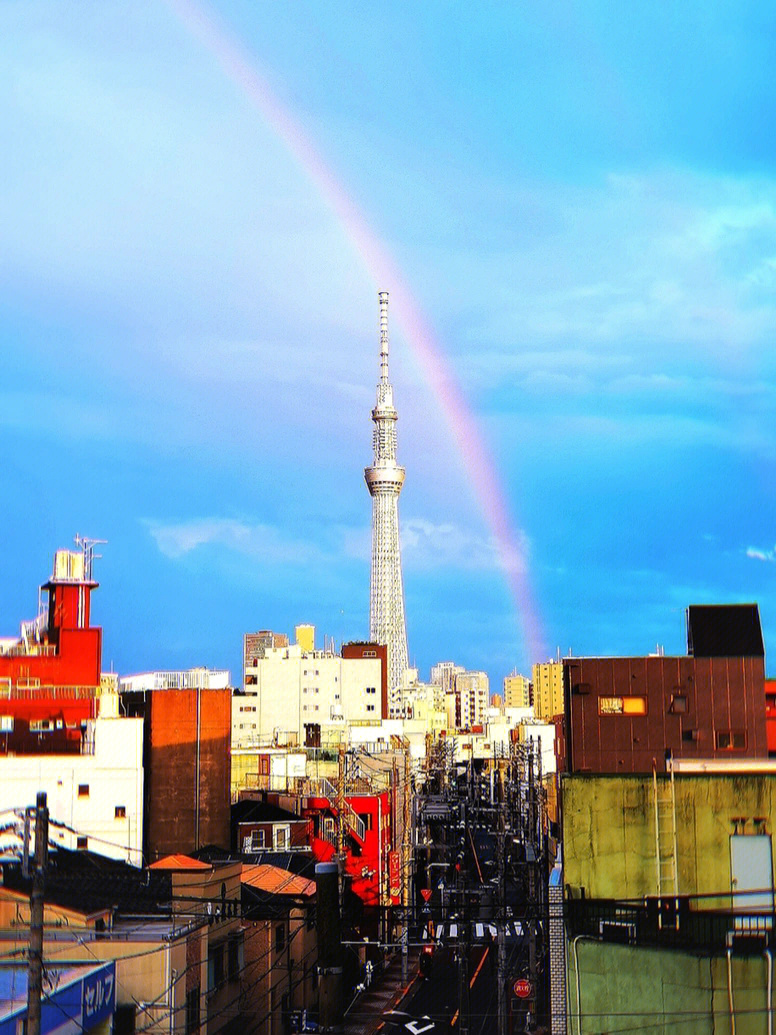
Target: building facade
517	691
548	690
472	694
297	695
630	714
186	741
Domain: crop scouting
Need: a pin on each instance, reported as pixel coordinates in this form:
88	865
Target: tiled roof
276	881
179	862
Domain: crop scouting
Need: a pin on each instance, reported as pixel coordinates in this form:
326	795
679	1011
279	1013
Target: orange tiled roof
179	862
277	881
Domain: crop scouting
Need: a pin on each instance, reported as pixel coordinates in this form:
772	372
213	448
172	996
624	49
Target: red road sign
426	893
522	988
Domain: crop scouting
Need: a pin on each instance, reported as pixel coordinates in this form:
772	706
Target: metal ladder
666	875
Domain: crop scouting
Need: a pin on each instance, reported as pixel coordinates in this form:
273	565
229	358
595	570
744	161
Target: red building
58	648
50	673
367	829
624	715
770	715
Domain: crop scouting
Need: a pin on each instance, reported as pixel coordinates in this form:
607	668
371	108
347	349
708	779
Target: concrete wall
622	988
113	777
609	830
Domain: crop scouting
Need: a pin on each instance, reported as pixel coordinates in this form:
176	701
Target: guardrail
672	923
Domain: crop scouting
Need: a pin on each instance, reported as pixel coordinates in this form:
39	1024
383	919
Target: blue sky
583	200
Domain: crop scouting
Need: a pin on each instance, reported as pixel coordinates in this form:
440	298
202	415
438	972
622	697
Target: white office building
292	695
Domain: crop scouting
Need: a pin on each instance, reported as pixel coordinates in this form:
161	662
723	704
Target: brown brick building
186	761
623	714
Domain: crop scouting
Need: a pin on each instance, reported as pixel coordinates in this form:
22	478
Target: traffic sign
426	893
522	988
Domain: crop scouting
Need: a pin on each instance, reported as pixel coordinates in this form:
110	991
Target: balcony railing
683	923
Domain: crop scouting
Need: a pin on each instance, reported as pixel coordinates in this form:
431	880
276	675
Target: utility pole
501	909
463	944
329	936
406	856
341	824
35	960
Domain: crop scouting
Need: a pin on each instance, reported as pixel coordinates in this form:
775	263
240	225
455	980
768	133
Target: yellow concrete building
517	691
548	690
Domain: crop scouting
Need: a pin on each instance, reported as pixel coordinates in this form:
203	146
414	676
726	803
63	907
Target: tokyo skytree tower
384	480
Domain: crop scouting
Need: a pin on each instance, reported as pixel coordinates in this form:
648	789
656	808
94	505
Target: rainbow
463	426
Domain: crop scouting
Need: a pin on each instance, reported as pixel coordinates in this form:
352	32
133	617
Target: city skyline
579	213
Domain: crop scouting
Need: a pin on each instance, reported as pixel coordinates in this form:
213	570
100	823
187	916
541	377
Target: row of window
40	725
281	838
248	708
724	740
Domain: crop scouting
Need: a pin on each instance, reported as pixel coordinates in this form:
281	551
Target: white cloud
262	542
761	555
426	545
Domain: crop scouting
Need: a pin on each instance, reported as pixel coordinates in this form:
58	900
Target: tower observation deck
384	480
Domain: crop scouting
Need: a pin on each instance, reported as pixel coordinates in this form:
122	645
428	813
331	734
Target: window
120	812
730	740
282	837
6	723
370	707
234	958
215	967
678	704
369	654
192	1011
82	843
280	938
41	725
257	840
622	706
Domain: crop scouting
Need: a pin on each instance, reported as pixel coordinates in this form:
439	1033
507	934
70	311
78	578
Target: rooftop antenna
87	545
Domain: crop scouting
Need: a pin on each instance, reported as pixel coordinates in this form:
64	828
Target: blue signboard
98	996
76	998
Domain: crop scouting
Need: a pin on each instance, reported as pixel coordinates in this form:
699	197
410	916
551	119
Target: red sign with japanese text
394	877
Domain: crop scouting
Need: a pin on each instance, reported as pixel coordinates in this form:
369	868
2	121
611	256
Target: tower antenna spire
384	342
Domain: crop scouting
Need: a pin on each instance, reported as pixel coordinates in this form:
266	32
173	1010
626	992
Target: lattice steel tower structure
384	480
